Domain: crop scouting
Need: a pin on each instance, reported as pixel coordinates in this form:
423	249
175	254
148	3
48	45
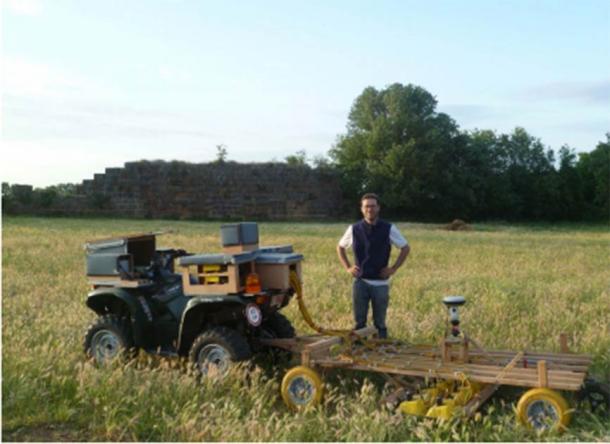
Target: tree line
424	167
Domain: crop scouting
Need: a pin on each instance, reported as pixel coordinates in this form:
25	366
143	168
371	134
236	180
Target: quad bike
215	310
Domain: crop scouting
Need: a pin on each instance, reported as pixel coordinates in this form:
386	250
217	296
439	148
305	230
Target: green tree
399	146
322	162
221	153
7	197
297	159
594	172
569	182
424	167
65	189
45	197
489	182
531	174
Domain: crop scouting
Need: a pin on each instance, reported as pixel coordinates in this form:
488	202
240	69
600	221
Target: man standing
372	240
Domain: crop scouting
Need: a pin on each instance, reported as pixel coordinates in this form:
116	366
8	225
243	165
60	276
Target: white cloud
597	92
23	7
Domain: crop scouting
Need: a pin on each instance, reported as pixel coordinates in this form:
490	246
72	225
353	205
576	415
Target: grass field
524	285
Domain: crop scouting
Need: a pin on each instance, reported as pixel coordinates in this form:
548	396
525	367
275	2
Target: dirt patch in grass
46	433
458	225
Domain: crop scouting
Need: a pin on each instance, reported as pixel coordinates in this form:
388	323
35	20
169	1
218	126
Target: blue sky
92	84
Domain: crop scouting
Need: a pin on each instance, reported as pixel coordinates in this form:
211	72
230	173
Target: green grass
524	285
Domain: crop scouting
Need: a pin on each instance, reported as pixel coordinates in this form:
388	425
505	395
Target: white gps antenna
452	303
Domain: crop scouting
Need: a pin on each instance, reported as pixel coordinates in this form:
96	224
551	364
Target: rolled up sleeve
397	239
346	240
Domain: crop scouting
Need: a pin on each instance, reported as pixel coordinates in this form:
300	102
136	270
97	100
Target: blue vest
371	245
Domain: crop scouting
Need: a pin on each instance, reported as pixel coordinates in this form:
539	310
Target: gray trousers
379	296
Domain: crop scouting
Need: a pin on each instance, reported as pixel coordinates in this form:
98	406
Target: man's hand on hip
354	270
386	272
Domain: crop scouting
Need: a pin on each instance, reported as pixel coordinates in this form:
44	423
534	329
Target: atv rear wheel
108	339
216	349
278	326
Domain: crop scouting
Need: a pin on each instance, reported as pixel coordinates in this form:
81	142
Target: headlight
254	315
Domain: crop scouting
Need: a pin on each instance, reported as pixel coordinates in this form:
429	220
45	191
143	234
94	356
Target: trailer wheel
301	388
543	409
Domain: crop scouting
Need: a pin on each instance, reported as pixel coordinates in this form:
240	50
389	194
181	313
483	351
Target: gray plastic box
130	253
242	233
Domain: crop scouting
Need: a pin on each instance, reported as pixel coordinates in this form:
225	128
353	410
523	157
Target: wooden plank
464	351
559	357
445	351
326	342
555	358
563	343
408	359
391	401
489	373
447	374
296	344
499	356
477	346
543	375
479	399
530	355
580	363
366	331
509	366
316	345
289	344
306	358
529	363
323	344
417	360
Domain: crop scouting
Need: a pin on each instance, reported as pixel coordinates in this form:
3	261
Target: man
372	240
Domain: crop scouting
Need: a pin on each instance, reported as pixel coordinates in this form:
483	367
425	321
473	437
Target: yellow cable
296	285
349	337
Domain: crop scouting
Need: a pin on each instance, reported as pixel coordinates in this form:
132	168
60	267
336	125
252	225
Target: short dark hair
370	196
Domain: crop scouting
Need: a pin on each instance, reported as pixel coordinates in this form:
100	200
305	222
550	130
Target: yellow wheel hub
301	388
543	409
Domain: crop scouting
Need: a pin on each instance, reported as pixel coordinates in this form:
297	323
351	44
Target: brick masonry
180	190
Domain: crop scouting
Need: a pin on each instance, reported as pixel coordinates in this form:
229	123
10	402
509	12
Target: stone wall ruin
180	190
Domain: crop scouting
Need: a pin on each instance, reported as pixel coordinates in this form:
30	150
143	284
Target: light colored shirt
396	239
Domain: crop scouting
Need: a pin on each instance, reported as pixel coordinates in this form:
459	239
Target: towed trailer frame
466	374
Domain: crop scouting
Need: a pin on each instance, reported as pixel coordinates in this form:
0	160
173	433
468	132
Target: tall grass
524	285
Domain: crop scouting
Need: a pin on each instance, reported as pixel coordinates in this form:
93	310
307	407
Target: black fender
202	310
121	302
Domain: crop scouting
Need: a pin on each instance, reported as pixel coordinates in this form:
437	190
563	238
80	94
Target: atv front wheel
108	339
216	349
